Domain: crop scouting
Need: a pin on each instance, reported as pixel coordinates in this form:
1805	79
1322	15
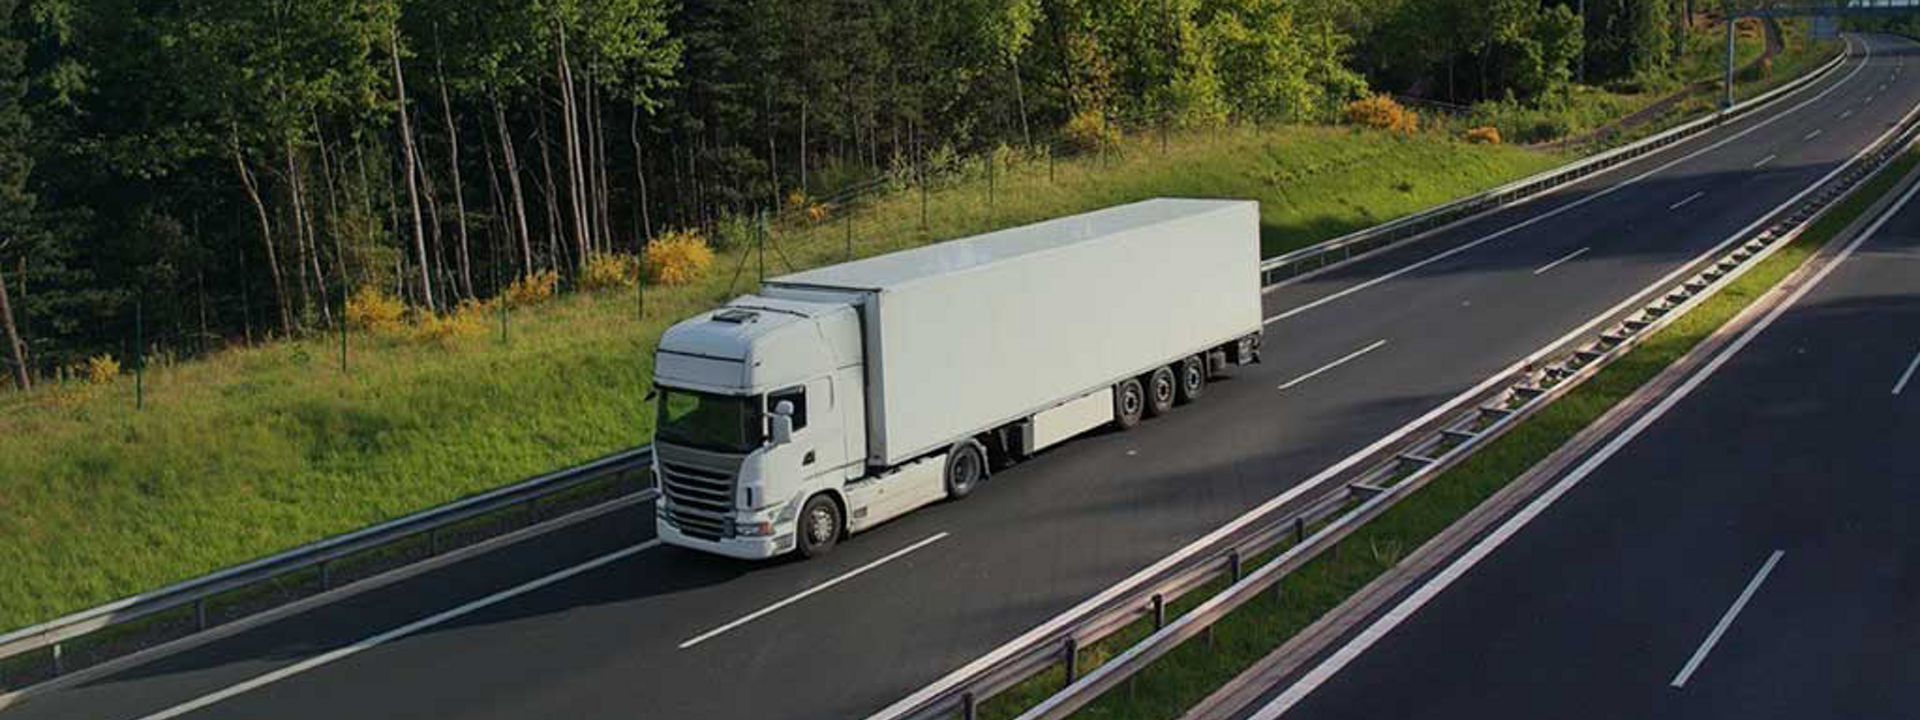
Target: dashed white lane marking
1726	620
1908	375
1337	363
1688	200
809	592
1549	266
1763	161
1813	134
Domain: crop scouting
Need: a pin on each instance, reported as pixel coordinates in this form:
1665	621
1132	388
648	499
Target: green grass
1171	686
252	451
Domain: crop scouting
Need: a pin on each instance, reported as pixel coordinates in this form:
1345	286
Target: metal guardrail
195	593
1346	247
1393	474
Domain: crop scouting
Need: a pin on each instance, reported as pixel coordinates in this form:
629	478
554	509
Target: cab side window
797	396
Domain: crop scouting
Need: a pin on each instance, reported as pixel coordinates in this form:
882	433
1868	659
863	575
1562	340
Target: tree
16	204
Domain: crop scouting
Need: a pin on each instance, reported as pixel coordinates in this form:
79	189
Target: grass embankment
1582	110
257	450
1188	674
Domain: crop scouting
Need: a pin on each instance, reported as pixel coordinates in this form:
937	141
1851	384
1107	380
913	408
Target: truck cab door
817	446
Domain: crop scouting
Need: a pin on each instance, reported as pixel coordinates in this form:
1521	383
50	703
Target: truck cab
759	409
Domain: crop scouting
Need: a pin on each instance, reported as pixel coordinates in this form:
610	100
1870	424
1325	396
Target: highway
595	621
1754	552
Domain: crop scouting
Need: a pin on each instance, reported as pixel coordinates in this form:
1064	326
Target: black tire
1193	379
1162	391
1129	403
966	467
819	526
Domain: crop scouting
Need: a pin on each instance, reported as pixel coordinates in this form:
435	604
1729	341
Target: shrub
466	321
372	309
533	288
1380	111
1486	135
1090	130
678	258
608	271
101	369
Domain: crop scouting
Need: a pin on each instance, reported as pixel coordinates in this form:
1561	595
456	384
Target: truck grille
699	499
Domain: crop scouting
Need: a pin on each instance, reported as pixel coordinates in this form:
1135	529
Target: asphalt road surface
897	608
1754	553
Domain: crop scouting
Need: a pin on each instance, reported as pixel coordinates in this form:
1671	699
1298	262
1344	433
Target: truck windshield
709	422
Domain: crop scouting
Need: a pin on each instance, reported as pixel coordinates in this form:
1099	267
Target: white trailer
841	397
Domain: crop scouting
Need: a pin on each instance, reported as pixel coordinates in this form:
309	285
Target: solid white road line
1325	671
1814	134
1689	199
1763	161
1908	375
1337	363
804	594
1726	620
394	634
1556	212
1557	263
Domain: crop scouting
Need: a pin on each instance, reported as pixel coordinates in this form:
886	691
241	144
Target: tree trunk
1020	97
16	349
805	106
513	182
640	172
411	163
554	225
576	175
459	190
266	234
306	238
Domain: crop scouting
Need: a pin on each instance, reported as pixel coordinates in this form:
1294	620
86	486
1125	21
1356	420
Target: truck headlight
753	529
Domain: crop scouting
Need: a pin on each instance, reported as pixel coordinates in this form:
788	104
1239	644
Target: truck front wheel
1129	403
819	526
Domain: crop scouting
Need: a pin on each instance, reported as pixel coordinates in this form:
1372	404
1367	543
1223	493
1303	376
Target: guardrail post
200	613
1299	530
58	668
1159	612
326	576
433	541
1233	565
969	707
1073	660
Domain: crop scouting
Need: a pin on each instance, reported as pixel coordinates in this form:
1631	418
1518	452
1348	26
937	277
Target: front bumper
757	548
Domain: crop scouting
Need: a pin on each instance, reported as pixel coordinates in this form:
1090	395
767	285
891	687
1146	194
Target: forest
182	175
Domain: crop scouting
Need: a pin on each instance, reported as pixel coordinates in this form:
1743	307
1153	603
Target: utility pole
1726	103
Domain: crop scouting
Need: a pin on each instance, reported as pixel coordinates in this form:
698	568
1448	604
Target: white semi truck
838	398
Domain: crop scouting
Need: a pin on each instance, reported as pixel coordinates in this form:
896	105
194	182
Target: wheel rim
820	525
966	469
1163	389
1192	376
1130	400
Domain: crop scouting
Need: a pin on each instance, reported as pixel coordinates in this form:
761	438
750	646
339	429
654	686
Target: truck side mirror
782	423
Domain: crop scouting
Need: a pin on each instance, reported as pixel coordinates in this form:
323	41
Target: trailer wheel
1162	390
966	467
819	526
1129	403
1193	379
